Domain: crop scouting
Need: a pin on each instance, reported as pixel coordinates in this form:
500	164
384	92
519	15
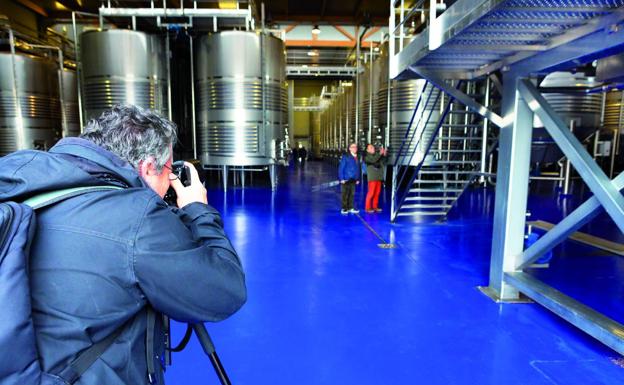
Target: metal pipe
168	53
614	145
616	137
193	119
369	135
263	85
484	133
78	72
18	108
391	43
554	178
566	177
262	15
402	33
176	12
357	90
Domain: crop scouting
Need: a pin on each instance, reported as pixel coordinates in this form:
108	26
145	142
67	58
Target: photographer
115	259
375	160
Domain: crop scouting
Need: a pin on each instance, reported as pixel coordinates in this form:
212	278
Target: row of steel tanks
374	124
241	104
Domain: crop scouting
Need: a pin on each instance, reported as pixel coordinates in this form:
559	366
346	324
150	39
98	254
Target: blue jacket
98	259
349	168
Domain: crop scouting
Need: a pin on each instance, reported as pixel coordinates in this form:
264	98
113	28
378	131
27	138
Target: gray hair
134	134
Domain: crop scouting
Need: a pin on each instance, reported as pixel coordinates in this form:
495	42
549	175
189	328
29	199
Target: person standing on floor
349	176
375	160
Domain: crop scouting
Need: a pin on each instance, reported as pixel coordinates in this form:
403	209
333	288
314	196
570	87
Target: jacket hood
72	162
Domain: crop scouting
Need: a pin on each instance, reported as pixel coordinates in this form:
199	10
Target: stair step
425	206
456	151
455	161
446	190
457	138
418	213
426	171
439	181
426	198
462	125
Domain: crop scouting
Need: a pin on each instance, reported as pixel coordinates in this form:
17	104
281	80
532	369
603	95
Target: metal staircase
452	160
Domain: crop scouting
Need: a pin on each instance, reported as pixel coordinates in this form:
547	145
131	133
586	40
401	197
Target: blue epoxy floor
328	306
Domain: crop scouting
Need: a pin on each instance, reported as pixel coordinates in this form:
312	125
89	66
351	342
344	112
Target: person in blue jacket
108	258
349	171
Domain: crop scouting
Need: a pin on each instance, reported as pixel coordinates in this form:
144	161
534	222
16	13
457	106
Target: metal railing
398	200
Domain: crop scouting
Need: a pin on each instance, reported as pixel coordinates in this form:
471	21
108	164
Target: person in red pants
375	160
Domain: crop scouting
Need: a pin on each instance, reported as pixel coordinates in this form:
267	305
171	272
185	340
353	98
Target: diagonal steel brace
460	96
571	223
598	182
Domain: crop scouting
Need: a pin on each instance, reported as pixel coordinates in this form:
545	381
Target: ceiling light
312	53
376	49
316	30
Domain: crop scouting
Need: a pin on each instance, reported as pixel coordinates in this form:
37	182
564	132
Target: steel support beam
511	190
459	96
174	12
604	329
570	224
598	182
599	37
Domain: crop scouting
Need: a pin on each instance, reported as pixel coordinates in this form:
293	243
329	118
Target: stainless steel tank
33	120
583	108
574	104
123	66
315	122
232	128
370	83
404	95
363	90
614	111
71	125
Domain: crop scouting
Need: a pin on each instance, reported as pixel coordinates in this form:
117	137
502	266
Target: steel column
511	189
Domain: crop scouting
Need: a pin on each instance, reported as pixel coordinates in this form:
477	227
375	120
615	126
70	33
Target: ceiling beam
344	32
327	43
370	33
290	27
342	20
33	7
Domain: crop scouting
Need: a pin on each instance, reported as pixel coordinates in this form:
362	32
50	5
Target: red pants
372	197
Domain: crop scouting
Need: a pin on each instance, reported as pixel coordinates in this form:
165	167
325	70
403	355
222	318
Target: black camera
184	175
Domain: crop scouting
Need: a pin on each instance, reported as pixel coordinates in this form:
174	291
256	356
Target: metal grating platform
474	38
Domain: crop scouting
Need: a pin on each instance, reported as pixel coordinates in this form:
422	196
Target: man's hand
196	192
343	181
357	182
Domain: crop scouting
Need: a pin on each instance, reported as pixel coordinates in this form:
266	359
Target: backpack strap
50	198
87	357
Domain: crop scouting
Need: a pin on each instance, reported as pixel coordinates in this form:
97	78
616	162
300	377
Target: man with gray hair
108	262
